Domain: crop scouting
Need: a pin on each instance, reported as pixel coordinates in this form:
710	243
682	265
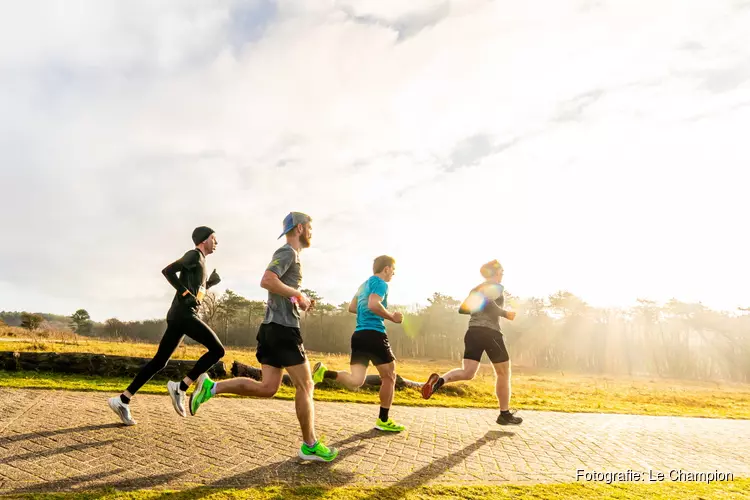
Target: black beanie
201	234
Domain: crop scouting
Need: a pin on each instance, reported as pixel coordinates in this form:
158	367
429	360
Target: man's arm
375	304
187	261
273	284
282	259
353	305
496	310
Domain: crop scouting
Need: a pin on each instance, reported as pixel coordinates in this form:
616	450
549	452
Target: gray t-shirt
279	309
489	316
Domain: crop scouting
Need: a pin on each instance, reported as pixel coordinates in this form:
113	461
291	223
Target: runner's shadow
293	472
32	435
98	490
435	469
369	434
287	473
57	451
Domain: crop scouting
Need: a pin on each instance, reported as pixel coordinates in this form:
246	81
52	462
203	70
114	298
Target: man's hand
398	317
302	301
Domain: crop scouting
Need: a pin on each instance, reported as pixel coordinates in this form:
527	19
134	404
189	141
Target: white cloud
595	147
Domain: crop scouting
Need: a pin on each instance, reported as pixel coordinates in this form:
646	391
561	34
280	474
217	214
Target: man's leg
311	449
475	343
242	386
303	400
203	334
498	354
468	371
502	390
360	359
387	373
168	344
351	381
502	384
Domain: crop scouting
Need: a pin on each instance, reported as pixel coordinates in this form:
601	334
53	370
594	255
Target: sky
592	146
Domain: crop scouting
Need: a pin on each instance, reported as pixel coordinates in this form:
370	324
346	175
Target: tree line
559	332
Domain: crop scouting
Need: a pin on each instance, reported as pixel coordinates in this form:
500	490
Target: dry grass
538	391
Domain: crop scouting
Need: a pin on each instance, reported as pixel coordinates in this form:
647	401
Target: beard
304	241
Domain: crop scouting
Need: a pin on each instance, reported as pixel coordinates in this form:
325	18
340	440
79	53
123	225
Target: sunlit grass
737	489
537	391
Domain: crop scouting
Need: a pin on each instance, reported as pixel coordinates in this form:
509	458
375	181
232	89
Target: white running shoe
178	398
122	410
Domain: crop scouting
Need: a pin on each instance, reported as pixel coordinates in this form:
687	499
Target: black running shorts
371	345
279	346
479	339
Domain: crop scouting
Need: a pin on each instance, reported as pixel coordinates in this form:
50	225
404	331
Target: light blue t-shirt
366	319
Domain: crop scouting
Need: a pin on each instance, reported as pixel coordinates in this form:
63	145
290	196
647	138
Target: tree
209	308
231	304
31	321
81	321
567	304
114	327
230	307
443	302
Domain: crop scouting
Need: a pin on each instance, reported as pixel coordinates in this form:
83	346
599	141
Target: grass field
737	489
537	391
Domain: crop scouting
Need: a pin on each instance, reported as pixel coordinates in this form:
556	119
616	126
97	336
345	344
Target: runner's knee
503	370
267	391
388	378
304	385
219	351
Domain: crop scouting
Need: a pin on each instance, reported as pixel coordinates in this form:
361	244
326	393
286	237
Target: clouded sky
594	146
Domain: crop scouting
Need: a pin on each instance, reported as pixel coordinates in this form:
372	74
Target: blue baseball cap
292	220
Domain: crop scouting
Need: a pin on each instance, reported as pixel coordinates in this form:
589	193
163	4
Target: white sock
213	390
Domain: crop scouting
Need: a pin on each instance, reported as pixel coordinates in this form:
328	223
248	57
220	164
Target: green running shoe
319	452
202	393
389	426
319	371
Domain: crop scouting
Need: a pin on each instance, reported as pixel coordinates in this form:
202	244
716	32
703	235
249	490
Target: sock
330	374
438	384
505	413
383	414
183	386
213	389
311	446
125	400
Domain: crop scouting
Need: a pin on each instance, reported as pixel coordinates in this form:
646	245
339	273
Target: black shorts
479	339
371	345
279	346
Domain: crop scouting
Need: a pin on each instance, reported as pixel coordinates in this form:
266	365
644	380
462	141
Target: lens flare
411	327
475	302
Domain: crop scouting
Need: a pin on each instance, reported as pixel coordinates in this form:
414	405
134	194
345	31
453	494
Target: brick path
59	441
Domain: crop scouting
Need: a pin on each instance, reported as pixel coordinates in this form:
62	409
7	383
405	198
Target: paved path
59	441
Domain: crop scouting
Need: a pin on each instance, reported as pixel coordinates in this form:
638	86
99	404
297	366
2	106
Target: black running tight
176	330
